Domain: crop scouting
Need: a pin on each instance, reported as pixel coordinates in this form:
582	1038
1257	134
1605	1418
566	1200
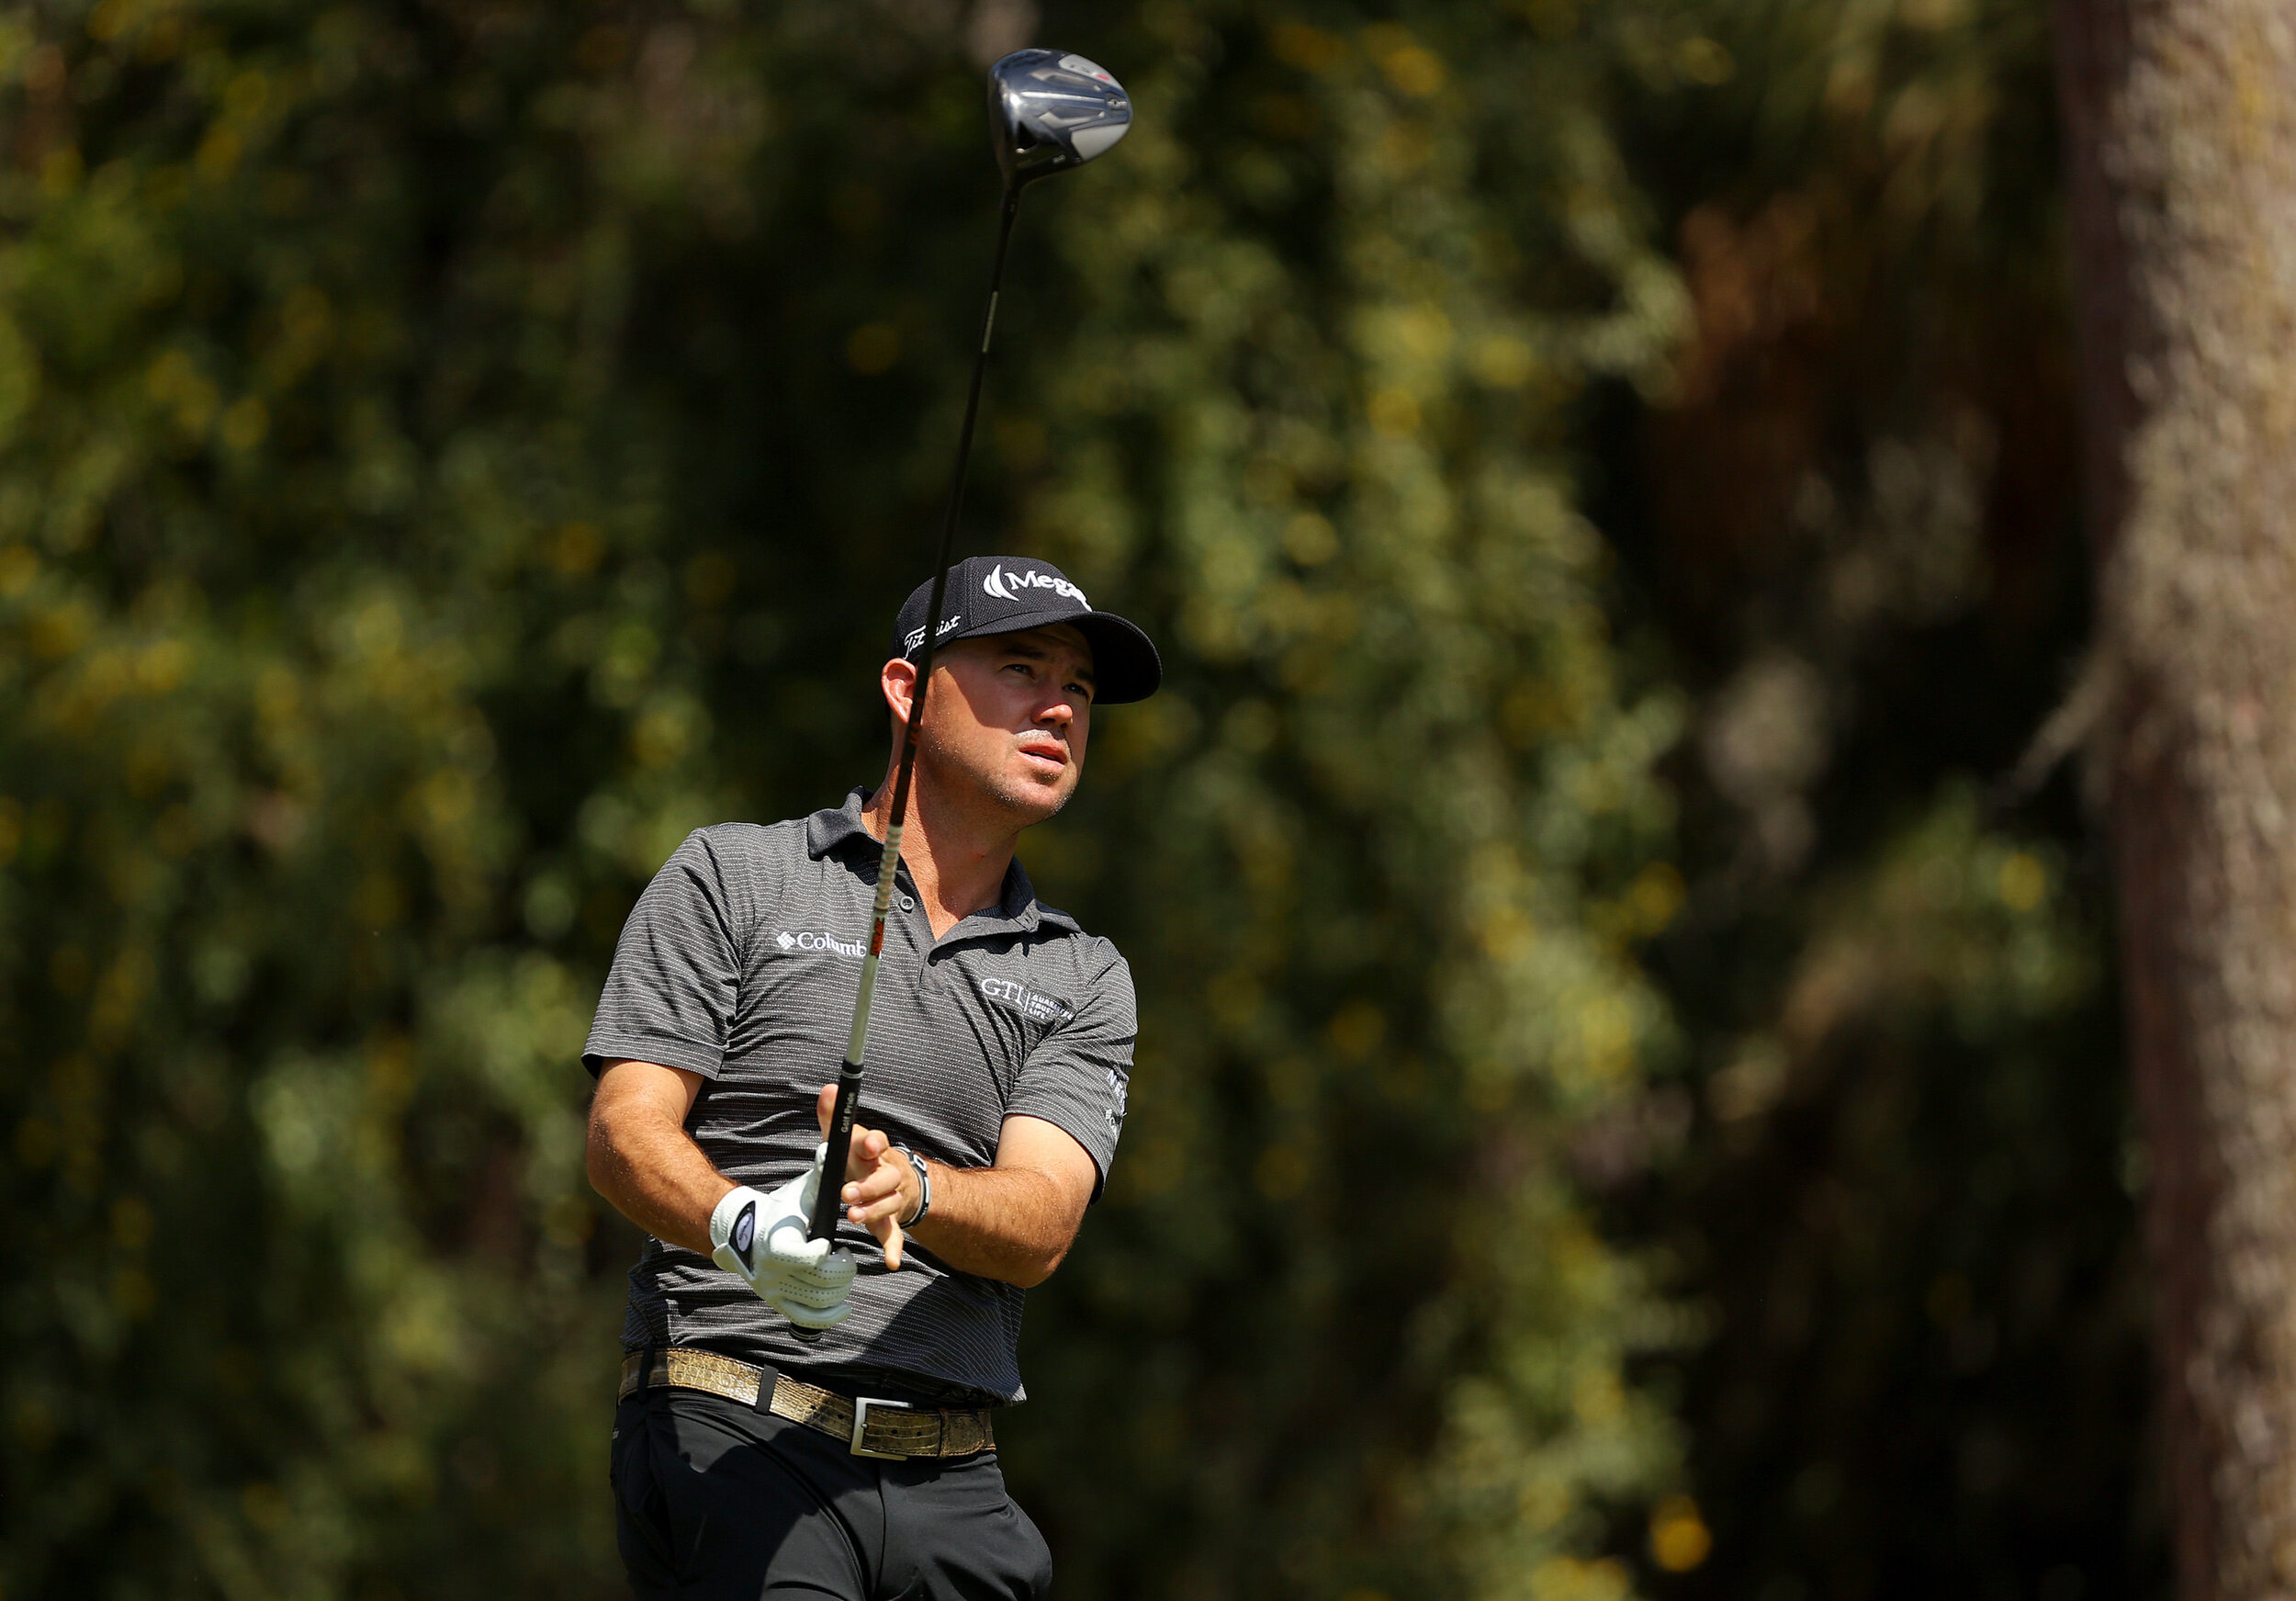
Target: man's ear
898	680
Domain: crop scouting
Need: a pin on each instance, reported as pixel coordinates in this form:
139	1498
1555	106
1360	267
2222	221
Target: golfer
807	1420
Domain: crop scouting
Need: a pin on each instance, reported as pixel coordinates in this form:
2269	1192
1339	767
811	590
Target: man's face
1008	718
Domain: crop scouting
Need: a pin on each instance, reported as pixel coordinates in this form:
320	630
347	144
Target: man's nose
1057	710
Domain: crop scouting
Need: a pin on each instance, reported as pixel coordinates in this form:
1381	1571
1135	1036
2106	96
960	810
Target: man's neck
956	859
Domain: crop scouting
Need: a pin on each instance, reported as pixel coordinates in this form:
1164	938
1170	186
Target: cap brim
1125	666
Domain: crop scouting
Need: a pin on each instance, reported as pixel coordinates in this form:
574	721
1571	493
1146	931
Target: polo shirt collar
833	827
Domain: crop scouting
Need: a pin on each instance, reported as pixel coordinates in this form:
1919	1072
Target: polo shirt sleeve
1078	1076
669	995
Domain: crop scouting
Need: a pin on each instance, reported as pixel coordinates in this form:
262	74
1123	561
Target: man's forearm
1011	1224
656	1175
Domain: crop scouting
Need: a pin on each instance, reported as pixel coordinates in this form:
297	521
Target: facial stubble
950	772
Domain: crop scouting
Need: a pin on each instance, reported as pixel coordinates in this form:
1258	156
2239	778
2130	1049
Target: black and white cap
1003	594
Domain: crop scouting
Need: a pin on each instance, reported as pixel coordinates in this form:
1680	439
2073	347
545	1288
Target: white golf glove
762	1238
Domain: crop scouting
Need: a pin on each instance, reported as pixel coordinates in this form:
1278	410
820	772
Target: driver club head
1048	110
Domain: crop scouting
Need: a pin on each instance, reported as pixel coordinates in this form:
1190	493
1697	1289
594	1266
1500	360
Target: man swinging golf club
751	1449
747	1460
861	1464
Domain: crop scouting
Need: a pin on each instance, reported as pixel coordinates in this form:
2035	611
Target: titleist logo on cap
917	636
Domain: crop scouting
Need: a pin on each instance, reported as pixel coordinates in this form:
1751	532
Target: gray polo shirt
740	963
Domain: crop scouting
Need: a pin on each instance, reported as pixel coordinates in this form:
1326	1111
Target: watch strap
924	1188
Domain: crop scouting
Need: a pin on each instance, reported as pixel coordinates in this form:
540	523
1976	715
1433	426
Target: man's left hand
880	1186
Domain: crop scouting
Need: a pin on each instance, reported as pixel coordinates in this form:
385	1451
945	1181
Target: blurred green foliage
1905	1198
1627	1096
447	451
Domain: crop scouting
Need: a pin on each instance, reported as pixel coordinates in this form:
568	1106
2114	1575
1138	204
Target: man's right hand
763	1239
880	1187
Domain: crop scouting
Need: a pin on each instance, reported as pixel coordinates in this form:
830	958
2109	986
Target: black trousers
715	1501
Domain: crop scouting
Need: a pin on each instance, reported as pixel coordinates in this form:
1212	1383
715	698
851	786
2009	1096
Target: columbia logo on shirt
789	941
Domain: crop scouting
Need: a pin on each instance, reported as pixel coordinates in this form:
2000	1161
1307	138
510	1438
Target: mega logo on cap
1003	584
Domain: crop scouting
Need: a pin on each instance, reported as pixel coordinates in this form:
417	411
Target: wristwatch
924	1188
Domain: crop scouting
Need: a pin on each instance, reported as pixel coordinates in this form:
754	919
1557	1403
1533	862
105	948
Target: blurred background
1629	1100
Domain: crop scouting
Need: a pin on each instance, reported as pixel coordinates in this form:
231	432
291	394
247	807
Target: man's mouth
1046	752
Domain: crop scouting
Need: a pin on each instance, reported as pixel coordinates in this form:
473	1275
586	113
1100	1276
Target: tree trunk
2181	119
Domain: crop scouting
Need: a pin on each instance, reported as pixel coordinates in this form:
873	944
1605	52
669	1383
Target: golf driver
1048	111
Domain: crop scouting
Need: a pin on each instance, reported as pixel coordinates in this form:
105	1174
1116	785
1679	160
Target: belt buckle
862	1404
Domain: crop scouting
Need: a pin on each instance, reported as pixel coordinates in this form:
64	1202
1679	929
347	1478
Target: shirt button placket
916	931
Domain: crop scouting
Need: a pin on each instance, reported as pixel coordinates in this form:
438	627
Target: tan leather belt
871	1428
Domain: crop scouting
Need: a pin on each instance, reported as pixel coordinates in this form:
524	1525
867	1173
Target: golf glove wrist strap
734	1231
